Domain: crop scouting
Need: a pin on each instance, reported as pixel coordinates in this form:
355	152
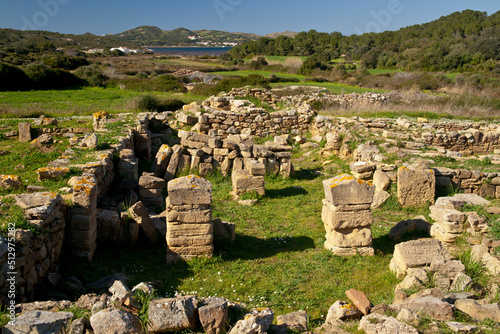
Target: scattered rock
359	300
43	322
255	322
172	314
214	315
479	311
114	321
295	321
382	324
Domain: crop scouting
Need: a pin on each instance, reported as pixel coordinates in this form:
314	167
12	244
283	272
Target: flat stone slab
346	189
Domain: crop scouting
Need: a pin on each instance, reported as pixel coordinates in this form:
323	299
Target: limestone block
175	230
416	187
438	231
352	237
140	214
24	132
343	220
345	189
190	217
189	240
417	253
444	214
190	189
151	182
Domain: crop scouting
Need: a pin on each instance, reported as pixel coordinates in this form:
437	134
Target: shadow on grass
251	248
306	174
385	244
285	192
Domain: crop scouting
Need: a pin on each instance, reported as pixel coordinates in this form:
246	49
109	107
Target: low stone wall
469	181
37	251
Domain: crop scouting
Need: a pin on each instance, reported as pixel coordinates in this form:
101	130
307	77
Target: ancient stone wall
37	250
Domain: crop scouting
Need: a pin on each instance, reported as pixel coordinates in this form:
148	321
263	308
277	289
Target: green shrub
92	75
167	83
148	103
44	77
13	78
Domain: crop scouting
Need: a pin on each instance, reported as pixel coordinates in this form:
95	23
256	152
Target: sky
261	17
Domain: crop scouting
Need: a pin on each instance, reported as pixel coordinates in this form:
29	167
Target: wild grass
72	102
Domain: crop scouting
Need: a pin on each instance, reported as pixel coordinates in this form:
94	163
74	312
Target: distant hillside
19	41
154	36
461	41
284	33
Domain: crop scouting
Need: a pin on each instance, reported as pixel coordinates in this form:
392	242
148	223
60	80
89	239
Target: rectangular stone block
83	222
443	214
416	187
342	220
188	217
189	241
346	207
353	237
149	193
190	189
438	232
195	250
175	230
345	189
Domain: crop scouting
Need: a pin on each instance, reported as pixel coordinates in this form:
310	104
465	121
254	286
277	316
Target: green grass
71	102
332	87
265	74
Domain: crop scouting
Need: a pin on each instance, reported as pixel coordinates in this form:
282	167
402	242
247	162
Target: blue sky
257	16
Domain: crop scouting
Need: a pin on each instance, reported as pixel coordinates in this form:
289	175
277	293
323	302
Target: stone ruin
347	215
189	218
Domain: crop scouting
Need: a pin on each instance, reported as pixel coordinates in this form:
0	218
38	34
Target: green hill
154	36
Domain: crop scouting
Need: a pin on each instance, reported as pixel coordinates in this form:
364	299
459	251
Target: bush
311	64
92	75
148	103
44	77
167	83
13	78
152	103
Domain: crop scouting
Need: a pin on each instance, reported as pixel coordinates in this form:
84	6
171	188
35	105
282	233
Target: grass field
265	74
332	87
84	101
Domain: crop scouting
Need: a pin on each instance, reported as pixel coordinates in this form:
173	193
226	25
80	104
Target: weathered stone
244	182
114	321
345	189
343	220
139	213
448	268
342	311
108	226
122	294
256	168
458	327
295	321
461	282
78	326
42	322
90	141
359	300
214	315
256	322
479	311
447	215
24	132
190	189
51	173
416	187
382	324
417	224
10	182
417	253
348	238
430	306
439	232
408	316
472	199
172	314
151	182
379	199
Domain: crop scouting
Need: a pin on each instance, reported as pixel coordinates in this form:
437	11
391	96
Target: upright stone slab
83	223
416	186
189	218
347	216
99	120
24	132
